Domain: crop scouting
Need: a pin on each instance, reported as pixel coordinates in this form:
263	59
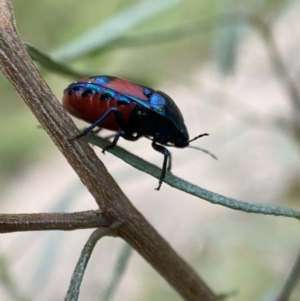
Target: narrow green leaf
74	287
50	249
50	64
114	28
227	40
291	282
190	188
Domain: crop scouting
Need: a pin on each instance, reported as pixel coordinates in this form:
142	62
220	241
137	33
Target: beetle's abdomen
89	101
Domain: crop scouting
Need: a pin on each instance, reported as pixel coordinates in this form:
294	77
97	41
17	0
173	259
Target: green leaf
190	188
227	40
114	28
74	288
50	64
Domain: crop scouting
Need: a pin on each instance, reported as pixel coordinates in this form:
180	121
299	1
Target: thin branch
53	221
294	95
291	282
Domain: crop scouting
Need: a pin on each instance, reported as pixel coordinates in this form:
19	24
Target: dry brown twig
115	210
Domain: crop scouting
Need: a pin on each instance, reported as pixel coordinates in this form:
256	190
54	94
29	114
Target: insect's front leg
169	163
166	154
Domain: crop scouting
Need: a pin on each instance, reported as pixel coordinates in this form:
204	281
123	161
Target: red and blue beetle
130	109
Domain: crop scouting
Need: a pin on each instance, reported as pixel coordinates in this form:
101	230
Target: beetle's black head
181	137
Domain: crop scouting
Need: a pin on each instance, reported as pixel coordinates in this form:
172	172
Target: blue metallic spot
158	102
124	100
147	92
108	95
89	89
102	80
87	92
71	89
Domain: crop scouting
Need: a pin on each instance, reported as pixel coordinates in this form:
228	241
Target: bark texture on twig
52	221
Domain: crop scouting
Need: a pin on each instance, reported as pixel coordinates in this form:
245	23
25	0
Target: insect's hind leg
167	158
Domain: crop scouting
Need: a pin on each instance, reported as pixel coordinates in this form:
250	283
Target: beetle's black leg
119	134
114	142
166	154
170	162
115	111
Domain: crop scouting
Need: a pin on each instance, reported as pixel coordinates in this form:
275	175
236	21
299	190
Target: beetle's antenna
205	134
204	151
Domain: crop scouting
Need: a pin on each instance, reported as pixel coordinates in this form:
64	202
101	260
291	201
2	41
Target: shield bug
129	109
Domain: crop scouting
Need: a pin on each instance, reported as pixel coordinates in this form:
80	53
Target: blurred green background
214	59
